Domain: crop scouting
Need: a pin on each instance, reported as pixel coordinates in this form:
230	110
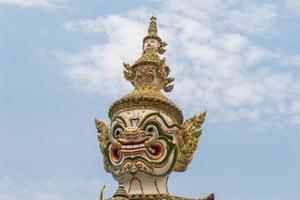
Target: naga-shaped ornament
147	138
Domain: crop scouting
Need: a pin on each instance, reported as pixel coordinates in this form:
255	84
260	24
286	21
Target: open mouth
131	143
136	148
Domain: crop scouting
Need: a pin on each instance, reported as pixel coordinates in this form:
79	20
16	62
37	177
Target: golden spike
152	30
101	193
191	130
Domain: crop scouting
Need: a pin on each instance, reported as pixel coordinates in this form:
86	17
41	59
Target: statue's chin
148	50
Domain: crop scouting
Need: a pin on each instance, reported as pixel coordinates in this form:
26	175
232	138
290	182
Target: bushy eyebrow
157	114
120	118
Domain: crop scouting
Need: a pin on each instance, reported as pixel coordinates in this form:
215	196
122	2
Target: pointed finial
121	192
152	30
152	34
101	193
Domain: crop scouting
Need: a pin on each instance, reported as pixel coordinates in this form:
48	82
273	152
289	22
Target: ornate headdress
152	34
148	136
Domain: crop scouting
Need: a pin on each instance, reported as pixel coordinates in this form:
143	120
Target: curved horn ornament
103	139
188	140
103	131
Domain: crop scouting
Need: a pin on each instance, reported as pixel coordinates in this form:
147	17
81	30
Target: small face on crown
151	45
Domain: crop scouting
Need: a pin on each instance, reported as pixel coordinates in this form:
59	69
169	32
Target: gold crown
149	75
152	33
152	30
145	98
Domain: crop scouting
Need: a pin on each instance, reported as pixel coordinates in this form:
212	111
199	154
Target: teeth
134	146
152	150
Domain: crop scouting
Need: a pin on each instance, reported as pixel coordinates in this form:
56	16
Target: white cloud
236	15
233	42
33	3
295	107
292	60
89	25
256	54
295	120
253	19
293	5
51	189
100	67
211	53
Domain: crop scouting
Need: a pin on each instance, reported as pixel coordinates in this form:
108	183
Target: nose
131	129
131	132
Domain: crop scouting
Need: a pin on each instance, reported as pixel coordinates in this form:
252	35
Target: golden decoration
188	140
152	33
101	193
152	30
103	139
145	98
150	77
160	197
149	70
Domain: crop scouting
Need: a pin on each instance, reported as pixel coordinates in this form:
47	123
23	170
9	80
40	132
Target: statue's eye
118	132
151	129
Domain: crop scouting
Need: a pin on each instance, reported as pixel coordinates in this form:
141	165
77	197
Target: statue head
151	45
147	138
142	141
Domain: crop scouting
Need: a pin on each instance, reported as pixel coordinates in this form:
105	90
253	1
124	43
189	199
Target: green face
142	141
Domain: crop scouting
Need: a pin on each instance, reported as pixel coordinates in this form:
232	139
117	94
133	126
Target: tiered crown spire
152	34
147	138
152	30
149	75
150	69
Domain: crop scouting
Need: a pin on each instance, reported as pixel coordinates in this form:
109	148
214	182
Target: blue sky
61	66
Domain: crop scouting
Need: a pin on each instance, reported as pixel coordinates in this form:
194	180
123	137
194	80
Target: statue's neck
146	185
